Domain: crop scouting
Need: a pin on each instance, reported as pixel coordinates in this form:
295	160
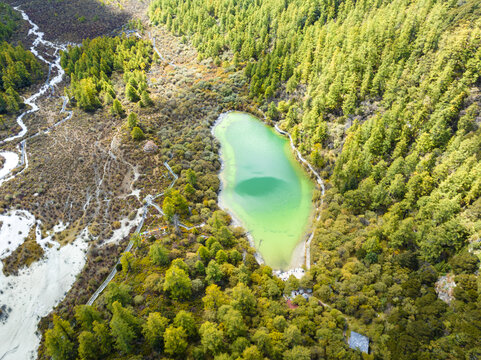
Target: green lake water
264	186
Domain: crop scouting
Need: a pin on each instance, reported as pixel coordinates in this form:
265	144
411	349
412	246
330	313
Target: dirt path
148	201
322	187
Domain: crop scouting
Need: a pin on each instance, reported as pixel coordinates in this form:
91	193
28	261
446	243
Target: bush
197	286
159	255
137	134
138	300
464	262
132	120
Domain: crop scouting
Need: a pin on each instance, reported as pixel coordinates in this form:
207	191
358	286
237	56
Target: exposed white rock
150	147
445	288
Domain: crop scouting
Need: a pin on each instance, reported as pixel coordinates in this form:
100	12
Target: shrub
159	255
137	133
132	120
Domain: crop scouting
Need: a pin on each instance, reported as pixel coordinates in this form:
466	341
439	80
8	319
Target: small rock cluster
150	147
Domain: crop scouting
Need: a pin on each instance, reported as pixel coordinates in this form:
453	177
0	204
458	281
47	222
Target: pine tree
189	190
269	92
211	337
145	100
103	337
158	255
272	112
213	272
12	100
131	93
117	108
128	262
88	347
191	177
107	99
137	134
87	95
168	208
86	315
132	120
175	341
177	283
59	340
125	327
3	103
185	320
154	329
233	322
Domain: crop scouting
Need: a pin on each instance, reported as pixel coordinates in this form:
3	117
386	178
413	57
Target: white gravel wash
33	293
11	161
14	230
39	40
124	229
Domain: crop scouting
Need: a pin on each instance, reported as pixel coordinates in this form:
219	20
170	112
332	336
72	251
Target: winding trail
148	201
6	173
34	291
158	52
321	187
53	66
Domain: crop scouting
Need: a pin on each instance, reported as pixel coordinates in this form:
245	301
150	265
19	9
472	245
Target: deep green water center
264	186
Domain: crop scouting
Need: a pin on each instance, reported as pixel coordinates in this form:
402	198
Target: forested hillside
8	21
18	67
91	66
384	96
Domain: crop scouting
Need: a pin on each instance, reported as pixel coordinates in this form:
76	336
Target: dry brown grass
23	256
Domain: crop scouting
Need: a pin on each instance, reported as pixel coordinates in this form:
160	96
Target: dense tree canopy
19	68
8	21
91	66
383	98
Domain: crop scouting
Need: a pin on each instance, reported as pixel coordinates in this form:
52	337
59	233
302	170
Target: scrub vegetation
384	99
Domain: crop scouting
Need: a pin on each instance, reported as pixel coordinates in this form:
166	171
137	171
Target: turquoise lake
264	186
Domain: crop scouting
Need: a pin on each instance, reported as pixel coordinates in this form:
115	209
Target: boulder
150	147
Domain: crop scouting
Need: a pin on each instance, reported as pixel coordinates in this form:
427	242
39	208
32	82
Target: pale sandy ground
33	293
298	258
124	229
36	290
13	231
11	161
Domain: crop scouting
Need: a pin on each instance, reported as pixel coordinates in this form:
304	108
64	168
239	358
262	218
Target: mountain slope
384	96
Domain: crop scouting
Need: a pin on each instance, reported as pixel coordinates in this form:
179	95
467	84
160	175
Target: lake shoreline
298	253
235	220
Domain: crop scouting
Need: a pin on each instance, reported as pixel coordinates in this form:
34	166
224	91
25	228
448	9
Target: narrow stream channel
30	295
33	293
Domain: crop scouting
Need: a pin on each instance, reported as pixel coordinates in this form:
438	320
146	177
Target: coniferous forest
18	68
382	97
